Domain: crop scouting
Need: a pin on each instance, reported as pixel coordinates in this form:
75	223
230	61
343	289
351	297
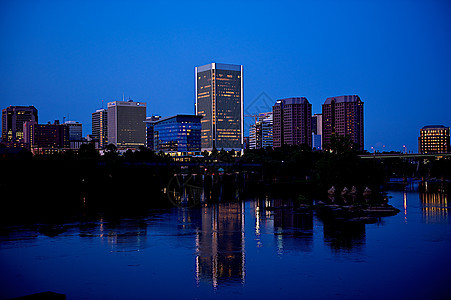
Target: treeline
338	165
86	183
69	185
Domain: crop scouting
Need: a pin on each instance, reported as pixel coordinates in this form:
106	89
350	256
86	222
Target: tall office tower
292	122
343	116
13	118
126	124
317	131
75	130
434	139
219	99
100	127
260	133
178	135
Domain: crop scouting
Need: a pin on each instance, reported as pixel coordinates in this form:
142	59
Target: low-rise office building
434	139
178	135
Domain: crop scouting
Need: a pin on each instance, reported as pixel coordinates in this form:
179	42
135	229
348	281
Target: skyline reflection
220	253
216	248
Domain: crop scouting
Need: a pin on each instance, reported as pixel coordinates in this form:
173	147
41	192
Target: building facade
126	124
434	139
46	137
179	135
219	100
343	116
150	122
261	133
317	131
13	119
292	122
100	127
75	130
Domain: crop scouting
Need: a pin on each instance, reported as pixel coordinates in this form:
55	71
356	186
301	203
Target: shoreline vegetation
75	186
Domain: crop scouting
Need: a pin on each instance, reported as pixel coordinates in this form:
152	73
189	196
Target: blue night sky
66	57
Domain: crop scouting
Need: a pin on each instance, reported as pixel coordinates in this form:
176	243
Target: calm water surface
238	251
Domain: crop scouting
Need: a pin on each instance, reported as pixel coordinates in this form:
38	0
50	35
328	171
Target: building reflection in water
343	236
434	203
293	230
126	235
220	256
405	206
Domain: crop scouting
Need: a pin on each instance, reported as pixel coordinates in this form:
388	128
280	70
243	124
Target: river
237	251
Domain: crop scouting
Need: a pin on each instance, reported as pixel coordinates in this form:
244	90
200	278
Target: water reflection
434	203
120	236
220	255
344	236
292	229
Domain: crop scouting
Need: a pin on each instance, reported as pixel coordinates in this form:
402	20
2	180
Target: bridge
404	155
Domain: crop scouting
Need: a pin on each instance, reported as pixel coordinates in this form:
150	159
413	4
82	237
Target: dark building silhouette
100	127
46	138
292	122
219	99
150	122
434	139
13	119
343	116
75	130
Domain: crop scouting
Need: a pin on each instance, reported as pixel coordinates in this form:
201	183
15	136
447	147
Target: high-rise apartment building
260	133
219	100
126	124
317	131
343	116
434	139
292	122
100	127
13	118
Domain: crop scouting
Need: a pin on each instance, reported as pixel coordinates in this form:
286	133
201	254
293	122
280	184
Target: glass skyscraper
219	100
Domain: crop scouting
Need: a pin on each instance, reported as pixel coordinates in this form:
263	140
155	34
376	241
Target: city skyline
392	54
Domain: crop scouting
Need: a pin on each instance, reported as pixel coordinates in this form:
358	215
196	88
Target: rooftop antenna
102	103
